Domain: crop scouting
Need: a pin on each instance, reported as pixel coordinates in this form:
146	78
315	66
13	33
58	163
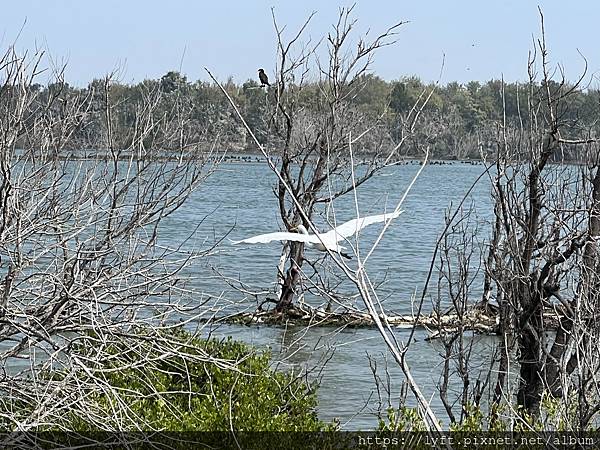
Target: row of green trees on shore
459	120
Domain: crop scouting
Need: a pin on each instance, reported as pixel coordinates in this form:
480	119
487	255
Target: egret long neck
302	230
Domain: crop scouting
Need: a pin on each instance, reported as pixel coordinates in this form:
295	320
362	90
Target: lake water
238	199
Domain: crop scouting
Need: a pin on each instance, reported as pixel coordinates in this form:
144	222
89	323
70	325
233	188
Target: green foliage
454	114
373	94
402	419
184	394
405	93
473	421
172	82
554	415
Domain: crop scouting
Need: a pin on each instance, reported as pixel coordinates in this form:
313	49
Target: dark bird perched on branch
264	79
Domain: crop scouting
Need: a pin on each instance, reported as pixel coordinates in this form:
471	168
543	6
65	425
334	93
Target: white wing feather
279	236
353	226
330	239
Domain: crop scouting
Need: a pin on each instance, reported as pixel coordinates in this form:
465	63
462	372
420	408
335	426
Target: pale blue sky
146	38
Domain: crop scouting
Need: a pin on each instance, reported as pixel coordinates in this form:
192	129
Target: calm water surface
238	199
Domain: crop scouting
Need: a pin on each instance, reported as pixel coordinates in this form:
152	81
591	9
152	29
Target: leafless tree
541	262
84	268
545	257
314	119
316	161
459	270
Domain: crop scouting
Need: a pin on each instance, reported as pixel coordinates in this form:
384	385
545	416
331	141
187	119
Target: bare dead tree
543	255
541	265
360	279
459	269
311	117
317	163
83	265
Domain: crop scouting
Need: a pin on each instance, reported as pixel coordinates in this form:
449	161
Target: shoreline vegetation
460	121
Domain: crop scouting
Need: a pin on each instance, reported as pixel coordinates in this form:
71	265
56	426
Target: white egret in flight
322	241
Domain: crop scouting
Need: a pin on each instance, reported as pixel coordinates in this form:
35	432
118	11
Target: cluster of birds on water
242	158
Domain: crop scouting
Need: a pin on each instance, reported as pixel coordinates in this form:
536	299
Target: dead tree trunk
292	277
312	114
545	260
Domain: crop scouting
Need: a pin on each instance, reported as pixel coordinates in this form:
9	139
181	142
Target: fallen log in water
479	320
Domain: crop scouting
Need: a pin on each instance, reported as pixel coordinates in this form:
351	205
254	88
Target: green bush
184	394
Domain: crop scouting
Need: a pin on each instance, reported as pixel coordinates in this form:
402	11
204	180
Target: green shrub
180	393
401	420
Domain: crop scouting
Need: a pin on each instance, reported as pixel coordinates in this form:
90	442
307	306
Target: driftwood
479	320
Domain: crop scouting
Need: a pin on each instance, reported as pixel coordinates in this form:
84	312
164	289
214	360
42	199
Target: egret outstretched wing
353	226
279	236
325	241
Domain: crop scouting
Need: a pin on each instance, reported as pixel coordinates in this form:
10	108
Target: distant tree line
459	121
